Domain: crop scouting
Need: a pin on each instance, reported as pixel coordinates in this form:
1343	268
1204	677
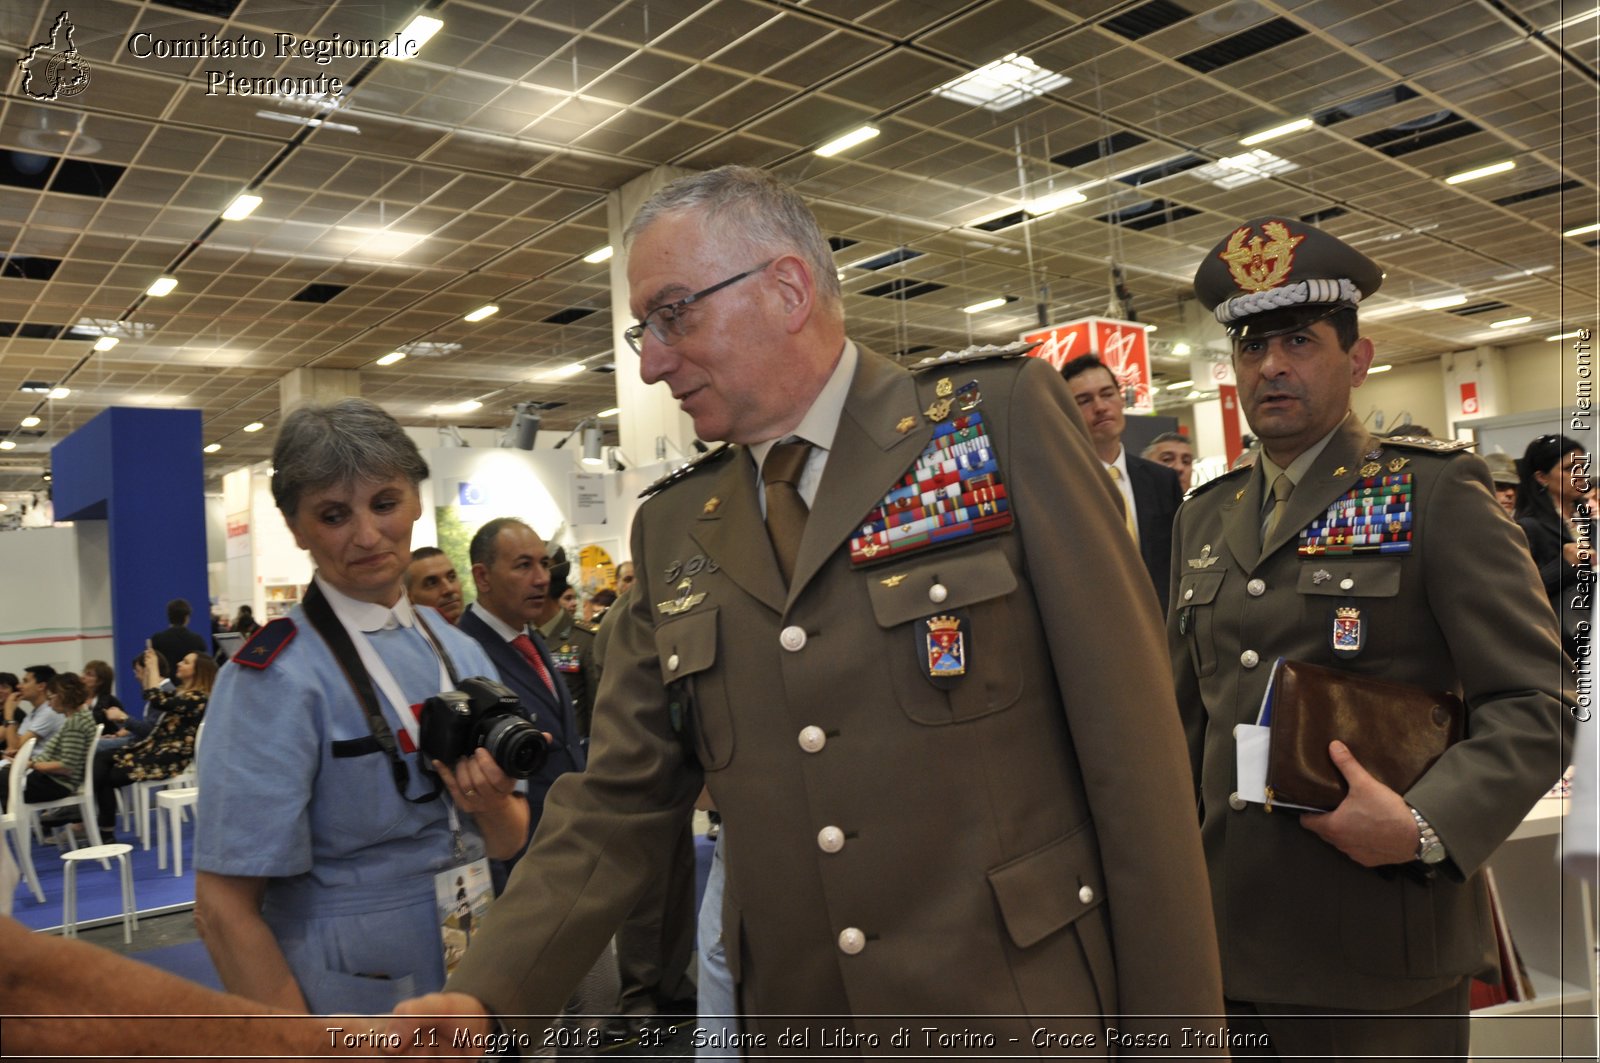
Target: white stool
170	804
69	900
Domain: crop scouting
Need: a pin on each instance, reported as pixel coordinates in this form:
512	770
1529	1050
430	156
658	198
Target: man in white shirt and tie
1151	492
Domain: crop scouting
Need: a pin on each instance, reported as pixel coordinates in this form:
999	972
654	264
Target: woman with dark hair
324	826
58	765
98	679
169	747
1555	512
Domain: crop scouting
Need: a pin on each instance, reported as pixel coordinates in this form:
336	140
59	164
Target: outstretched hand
1373	824
440	1024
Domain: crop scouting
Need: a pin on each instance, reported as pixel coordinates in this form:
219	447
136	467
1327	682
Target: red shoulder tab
267	643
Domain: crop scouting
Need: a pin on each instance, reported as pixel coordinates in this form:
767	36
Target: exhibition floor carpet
99	890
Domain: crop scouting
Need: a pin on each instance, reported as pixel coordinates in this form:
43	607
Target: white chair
117	851
170	805
14	823
83	797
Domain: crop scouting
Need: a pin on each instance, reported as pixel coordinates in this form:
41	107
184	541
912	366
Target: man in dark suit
512	574
952	784
1352	934
176	641
1151	493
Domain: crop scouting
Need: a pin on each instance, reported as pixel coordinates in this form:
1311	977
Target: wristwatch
1430	850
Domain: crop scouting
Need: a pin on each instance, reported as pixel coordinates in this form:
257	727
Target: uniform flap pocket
687	644
1050	887
901	593
1199	588
1364	578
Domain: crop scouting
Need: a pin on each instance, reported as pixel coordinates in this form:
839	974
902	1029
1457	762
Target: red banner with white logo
1121	345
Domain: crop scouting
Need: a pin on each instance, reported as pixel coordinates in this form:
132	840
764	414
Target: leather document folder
1395	730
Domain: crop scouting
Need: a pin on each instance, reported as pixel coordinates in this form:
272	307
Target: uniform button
1086	895
1236	802
851	941
1188	594
792	639
1346	584
1256	587
830	839
672	663
812	739
1249	658
938	593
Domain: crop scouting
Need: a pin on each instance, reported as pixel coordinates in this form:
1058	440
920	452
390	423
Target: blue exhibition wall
141	472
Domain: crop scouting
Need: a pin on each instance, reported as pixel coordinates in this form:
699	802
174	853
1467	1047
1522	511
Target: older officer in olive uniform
1378	906
952	783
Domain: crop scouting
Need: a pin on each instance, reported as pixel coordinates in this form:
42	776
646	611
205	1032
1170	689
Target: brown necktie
786	510
1127	508
1280	498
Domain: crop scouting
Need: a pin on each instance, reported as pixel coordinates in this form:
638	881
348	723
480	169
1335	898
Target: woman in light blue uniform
315	889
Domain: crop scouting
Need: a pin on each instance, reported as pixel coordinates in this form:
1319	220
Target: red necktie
530	653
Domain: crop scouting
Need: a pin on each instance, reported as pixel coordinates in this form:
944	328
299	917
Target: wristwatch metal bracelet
1430	850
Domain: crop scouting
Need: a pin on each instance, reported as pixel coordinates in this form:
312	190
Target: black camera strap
338	640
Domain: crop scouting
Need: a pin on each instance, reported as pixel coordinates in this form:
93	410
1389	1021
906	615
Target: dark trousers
107	779
1431	1029
39	787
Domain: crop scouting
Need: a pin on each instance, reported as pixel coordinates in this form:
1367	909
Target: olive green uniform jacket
1021	844
1298	921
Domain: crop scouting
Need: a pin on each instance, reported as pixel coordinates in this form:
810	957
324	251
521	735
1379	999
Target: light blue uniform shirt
294	790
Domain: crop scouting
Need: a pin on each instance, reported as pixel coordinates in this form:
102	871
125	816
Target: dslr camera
482	713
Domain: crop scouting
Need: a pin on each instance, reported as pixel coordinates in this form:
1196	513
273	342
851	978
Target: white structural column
651	428
300	386
1474	386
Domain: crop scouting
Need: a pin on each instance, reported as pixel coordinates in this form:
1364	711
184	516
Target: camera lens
516	745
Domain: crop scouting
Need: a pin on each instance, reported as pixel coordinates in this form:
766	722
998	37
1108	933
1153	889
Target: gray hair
1167	437
321	446
481	550
755	210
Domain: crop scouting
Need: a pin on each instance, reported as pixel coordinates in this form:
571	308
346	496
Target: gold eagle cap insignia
1258	265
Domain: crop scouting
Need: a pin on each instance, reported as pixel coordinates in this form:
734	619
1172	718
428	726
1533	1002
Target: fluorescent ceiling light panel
296	119
1443	302
414	36
482	312
1054	201
987	304
859	135
599	256
392	357
1180	385
1276	131
1482	171
468	406
254	426
1002	84
610	413
1562	336
569	370
212	448
1379	369
1511	321
1181	349
1521	273
162	286
6	444
241	208
1236	171
1582	229
60	393
31	421
105	343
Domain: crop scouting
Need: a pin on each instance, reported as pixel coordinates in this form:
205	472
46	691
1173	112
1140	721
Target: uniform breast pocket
951	645
686	648
1353	601
1196	605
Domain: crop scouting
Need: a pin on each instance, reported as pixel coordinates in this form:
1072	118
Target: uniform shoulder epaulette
1428	443
586	625
266	644
976	354
703	461
1200	489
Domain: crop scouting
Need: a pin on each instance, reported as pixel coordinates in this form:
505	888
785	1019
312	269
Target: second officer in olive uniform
1386	558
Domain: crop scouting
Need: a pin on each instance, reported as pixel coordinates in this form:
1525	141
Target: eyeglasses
663	321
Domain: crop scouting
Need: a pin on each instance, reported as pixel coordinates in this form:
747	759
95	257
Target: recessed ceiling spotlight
1482	171
31	421
6	444
859	135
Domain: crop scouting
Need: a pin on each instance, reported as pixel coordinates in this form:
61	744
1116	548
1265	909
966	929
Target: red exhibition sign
1120	344
1469	397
